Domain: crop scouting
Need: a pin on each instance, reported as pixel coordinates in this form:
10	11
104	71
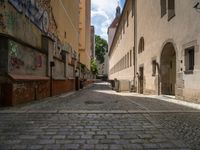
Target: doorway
141	80
168	70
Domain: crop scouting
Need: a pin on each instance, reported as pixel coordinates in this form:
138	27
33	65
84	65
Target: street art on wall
25	60
33	11
15	57
2	24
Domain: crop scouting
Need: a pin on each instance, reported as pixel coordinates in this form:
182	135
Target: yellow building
84	30
39	49
66	15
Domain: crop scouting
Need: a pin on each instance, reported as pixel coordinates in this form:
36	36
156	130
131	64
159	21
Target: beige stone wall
122	44
182	30
84	30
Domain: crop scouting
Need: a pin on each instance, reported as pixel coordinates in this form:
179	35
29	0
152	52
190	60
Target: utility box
116	85
124	85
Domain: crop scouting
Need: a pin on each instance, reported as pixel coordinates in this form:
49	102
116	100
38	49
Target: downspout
135	44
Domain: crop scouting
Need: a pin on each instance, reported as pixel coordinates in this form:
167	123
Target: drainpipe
135	44
52	64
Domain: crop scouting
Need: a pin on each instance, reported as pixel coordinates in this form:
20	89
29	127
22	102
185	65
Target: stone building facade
121	52
166	48
38	47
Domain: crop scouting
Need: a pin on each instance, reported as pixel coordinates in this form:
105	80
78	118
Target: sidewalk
166	98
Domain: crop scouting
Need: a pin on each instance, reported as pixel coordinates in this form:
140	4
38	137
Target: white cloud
103	12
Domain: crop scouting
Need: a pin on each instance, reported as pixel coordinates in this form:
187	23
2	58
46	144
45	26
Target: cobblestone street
99	118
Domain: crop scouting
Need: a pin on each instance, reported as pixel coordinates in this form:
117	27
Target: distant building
156	45
111	33
121	45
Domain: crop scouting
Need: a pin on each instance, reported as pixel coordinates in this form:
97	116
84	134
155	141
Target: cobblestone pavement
98	118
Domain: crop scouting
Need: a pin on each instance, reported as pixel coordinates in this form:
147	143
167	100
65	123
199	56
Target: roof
114	23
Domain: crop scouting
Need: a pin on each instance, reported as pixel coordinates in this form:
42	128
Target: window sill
188	72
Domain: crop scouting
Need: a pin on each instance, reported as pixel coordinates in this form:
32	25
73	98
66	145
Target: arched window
141	45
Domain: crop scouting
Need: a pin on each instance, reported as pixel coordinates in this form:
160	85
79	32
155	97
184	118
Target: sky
102	15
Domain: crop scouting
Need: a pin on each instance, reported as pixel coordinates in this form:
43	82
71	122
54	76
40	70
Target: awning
27	77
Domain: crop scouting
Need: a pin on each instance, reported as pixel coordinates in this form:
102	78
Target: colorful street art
33	11
15	58
2	24
22	58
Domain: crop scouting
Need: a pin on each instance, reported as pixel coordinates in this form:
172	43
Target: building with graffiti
39	48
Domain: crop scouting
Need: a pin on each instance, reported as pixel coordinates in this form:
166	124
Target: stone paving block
133	146
115	147
99	137
114	137
29	137
166	145
86	137
151	146
52	147
92	141
47	141
71	146
64	141
73	137
19	147
35	147
101	146
59	137
89	146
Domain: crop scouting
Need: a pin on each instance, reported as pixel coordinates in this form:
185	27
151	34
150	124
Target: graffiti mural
33	10
11	20
2	24
15	58
2	2
25	60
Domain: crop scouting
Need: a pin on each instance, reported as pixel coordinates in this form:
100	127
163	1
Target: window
189	60
154	68
141	45
163	5
123	26
130	58
133	7
133	56
127	15
171	9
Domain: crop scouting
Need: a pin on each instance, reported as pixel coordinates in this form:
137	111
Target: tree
101	48
93	66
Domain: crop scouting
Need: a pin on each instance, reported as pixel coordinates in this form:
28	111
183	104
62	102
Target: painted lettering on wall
33	11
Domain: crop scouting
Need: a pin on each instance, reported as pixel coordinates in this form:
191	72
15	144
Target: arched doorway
168	69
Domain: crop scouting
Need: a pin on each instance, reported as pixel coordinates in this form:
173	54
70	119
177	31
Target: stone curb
96	112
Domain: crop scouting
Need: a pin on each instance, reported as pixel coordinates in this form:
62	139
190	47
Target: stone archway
168	69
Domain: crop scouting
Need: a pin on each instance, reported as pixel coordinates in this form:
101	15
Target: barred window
171	9
163	5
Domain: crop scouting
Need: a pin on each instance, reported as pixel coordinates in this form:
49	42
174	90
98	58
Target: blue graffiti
31	9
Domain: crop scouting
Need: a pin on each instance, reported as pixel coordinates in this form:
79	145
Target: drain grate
93	102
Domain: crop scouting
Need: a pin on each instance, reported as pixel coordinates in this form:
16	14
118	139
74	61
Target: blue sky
103	13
